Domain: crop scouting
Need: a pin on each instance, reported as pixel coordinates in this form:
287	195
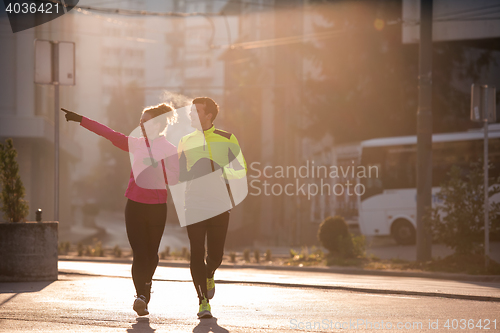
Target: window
400	167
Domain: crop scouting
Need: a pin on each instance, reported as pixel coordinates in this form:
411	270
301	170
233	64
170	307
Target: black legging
215	230
145	224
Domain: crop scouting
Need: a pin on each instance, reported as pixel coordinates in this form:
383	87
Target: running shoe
140	306
204	309
210	288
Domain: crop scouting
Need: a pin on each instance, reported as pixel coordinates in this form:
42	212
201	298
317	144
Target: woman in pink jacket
154	164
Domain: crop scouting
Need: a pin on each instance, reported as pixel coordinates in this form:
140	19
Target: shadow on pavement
142	326
17	288
23	287
209	325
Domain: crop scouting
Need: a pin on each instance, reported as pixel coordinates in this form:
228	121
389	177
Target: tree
458	218
366	86
365	82
14	206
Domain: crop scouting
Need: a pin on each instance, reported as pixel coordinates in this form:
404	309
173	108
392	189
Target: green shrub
165	253
185	254
458	218
256	255
232	257
246	255
306	258
63	247
98	251
333	234
14	206
117	251
359	245
80	248
269	255
95	250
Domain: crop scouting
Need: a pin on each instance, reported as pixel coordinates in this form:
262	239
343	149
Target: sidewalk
483	288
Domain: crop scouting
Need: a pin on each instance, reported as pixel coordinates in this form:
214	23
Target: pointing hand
70	115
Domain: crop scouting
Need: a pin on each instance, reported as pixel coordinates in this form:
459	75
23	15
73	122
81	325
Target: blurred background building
297	81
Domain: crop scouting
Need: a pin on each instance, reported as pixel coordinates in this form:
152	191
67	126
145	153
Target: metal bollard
38	215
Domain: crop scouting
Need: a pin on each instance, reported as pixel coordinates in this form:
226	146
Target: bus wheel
403	232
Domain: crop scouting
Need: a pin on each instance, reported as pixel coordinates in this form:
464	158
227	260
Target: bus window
372	156
445	155
400	167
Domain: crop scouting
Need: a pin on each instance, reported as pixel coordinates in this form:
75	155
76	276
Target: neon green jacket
203	152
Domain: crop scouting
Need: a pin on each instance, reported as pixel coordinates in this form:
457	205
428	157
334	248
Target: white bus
389	204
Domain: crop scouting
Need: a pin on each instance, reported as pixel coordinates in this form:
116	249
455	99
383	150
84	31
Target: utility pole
424	131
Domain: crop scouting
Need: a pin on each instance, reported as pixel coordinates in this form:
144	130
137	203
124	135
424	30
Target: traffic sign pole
55	66
483	109
486	199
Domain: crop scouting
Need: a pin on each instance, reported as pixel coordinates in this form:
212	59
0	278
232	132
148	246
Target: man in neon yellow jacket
213	167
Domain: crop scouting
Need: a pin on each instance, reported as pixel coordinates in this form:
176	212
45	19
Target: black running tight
215	230
145	224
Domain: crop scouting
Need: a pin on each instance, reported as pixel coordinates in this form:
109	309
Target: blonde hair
158	110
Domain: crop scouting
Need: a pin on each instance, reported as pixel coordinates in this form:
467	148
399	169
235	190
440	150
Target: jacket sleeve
172	166
118	139
183	172
238	164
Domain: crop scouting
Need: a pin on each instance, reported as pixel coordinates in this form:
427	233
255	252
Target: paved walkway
485	291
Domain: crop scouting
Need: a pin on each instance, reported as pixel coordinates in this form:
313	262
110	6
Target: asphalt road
93	303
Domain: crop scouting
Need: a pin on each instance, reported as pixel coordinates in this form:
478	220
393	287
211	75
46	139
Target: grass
466	263
472	264
305	258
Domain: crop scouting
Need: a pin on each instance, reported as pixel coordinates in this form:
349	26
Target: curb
304	286
334	269
374	291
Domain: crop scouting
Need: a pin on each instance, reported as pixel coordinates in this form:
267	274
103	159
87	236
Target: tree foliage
14	206
458	218
365	80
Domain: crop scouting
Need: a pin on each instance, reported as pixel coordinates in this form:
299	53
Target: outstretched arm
118	139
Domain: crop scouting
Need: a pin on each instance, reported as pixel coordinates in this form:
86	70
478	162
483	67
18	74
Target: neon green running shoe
204	310
210	288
